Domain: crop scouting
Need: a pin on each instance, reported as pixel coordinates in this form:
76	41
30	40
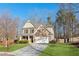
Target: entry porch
28	37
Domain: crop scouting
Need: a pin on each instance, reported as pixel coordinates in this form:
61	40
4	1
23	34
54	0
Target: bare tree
8	27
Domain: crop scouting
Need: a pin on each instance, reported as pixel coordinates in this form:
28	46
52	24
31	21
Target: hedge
23	41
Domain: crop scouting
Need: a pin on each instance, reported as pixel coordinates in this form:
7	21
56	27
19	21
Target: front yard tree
8	27
17	21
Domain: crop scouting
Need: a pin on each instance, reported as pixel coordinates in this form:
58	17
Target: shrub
53	41
23	41
16	41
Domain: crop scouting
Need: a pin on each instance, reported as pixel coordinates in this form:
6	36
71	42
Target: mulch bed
76	44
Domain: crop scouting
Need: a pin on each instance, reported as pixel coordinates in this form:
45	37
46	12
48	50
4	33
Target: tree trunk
67	40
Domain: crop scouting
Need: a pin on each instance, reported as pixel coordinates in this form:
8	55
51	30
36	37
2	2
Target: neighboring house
37	33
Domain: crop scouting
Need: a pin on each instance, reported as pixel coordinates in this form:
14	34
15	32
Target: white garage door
42	40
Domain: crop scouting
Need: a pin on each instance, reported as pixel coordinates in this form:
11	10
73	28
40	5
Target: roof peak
28	24
28	21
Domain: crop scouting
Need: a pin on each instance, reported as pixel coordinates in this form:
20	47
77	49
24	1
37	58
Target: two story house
37	34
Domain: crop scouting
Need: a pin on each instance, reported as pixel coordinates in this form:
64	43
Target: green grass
12	47
60	50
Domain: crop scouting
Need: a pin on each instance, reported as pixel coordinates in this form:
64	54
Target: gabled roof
50	30
43	27
28	24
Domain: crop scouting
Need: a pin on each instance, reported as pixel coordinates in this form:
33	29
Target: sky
26	11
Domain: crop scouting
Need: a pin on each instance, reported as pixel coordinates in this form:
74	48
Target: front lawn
12	47
60	50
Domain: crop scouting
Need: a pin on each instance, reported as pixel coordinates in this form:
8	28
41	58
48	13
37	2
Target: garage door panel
42	40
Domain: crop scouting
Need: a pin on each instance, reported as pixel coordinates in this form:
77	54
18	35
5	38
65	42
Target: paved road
6	54
32	50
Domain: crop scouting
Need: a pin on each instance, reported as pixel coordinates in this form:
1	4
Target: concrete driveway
31	50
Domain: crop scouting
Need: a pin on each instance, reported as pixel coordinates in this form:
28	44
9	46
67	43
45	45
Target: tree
49	23
66	22
18	25
60	22
8	27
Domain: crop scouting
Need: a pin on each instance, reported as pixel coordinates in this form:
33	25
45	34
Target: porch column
29	40
33	38
20	37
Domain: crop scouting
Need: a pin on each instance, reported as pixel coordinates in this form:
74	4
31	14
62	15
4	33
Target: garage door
42	40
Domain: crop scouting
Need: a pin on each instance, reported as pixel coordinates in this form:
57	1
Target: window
26	31
23	37
31	30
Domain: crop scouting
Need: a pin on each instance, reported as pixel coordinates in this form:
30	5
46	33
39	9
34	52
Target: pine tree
49	23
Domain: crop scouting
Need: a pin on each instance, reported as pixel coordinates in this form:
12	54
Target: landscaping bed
76	44
60	50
